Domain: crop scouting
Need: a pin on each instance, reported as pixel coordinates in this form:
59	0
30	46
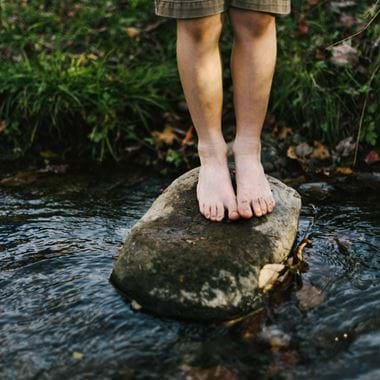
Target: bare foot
254	195
214	190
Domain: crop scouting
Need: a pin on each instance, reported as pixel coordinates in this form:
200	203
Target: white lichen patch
248	283
188	296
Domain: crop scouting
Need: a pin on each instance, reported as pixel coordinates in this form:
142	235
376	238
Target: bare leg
200	69
252	64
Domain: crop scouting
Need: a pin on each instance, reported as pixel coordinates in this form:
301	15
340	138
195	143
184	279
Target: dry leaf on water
269	275
306	242
78	355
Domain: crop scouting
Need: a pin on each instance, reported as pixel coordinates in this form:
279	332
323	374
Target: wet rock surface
176	263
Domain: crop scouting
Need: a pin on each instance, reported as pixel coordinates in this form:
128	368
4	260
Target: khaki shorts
200	8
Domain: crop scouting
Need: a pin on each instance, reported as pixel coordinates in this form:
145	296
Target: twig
357	33
362	114
154	25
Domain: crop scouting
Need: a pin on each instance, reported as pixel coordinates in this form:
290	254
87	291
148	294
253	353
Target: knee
201	30
254	25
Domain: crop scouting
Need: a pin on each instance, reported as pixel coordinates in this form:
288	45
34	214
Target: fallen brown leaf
320	151
188	137
309	297
291	153
303	27
22	178
345	170
320	55
313	2
284	133
132	31
306	242
167	136
344	55
3	125
371	158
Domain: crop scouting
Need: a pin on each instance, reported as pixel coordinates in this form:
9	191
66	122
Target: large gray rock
178	264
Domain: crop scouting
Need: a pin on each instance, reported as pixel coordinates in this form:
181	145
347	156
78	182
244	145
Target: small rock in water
316	190
178	264
135	305
274	337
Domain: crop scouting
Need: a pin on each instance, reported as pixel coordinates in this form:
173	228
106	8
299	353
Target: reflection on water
61	318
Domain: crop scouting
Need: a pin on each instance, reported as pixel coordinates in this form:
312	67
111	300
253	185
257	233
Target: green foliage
322	99
74	78
71	77
57	92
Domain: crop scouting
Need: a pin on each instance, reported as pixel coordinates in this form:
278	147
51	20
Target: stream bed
61	318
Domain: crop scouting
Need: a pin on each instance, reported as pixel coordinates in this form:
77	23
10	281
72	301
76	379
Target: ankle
247	147
212	151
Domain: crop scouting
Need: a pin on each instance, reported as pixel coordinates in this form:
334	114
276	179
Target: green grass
73	81
324	100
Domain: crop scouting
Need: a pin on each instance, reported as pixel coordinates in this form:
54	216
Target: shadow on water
61	318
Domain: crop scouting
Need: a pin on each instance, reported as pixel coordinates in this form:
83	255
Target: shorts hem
192	9
275	7
202	8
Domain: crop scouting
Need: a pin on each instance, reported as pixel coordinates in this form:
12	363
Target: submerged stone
178	264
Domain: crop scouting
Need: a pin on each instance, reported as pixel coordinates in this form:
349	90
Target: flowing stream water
61	318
